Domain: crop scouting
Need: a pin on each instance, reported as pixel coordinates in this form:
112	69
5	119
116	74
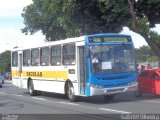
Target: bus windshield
112	58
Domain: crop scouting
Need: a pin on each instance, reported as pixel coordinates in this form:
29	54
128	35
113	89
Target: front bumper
114	90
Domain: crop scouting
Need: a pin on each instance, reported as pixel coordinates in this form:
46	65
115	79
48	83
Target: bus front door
81	70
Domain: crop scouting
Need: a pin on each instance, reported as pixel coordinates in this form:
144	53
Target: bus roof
34	44
67	40
109	34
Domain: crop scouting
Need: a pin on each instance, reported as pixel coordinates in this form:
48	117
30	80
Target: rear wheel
31	90
71	93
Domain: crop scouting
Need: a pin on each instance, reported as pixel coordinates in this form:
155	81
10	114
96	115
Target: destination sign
115	39
108	39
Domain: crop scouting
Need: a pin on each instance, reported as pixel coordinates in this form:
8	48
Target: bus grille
115	78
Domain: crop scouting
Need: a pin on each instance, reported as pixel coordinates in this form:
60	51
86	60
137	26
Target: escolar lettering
37	74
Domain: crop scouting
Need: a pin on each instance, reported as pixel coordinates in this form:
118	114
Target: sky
11	24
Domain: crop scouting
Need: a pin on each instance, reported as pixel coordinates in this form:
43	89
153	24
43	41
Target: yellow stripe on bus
15	73
42	74
46	74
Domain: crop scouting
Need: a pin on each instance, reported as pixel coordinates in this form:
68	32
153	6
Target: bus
89	65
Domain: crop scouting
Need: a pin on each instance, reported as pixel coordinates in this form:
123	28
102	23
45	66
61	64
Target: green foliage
5	62
152	59
149	9
59	19
43	15
145	53
144	25
155	37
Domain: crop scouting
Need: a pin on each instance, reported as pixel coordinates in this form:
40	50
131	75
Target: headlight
132	83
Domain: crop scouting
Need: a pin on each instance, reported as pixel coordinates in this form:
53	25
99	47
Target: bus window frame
37	63
60	60
40	56
69	60
29	60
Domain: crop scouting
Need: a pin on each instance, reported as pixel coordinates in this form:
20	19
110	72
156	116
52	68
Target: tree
5	62
58	19
145	53
61	19
145	14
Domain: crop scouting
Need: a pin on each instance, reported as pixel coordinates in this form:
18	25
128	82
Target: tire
71	93
31	90
109	97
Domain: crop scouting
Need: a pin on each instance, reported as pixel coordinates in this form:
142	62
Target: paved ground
14	100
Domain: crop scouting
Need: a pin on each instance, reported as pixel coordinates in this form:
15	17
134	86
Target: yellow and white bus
67	67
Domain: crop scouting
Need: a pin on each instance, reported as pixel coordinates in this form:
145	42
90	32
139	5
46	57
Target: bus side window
69	54
26	57
56	55
44	56
35	57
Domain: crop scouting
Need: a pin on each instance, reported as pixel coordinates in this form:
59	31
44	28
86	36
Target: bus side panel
56	86
24	82
49	86
52	80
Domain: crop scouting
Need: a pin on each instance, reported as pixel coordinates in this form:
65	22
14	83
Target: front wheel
70	93
108	97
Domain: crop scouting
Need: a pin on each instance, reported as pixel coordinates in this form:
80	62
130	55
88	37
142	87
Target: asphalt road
16	101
